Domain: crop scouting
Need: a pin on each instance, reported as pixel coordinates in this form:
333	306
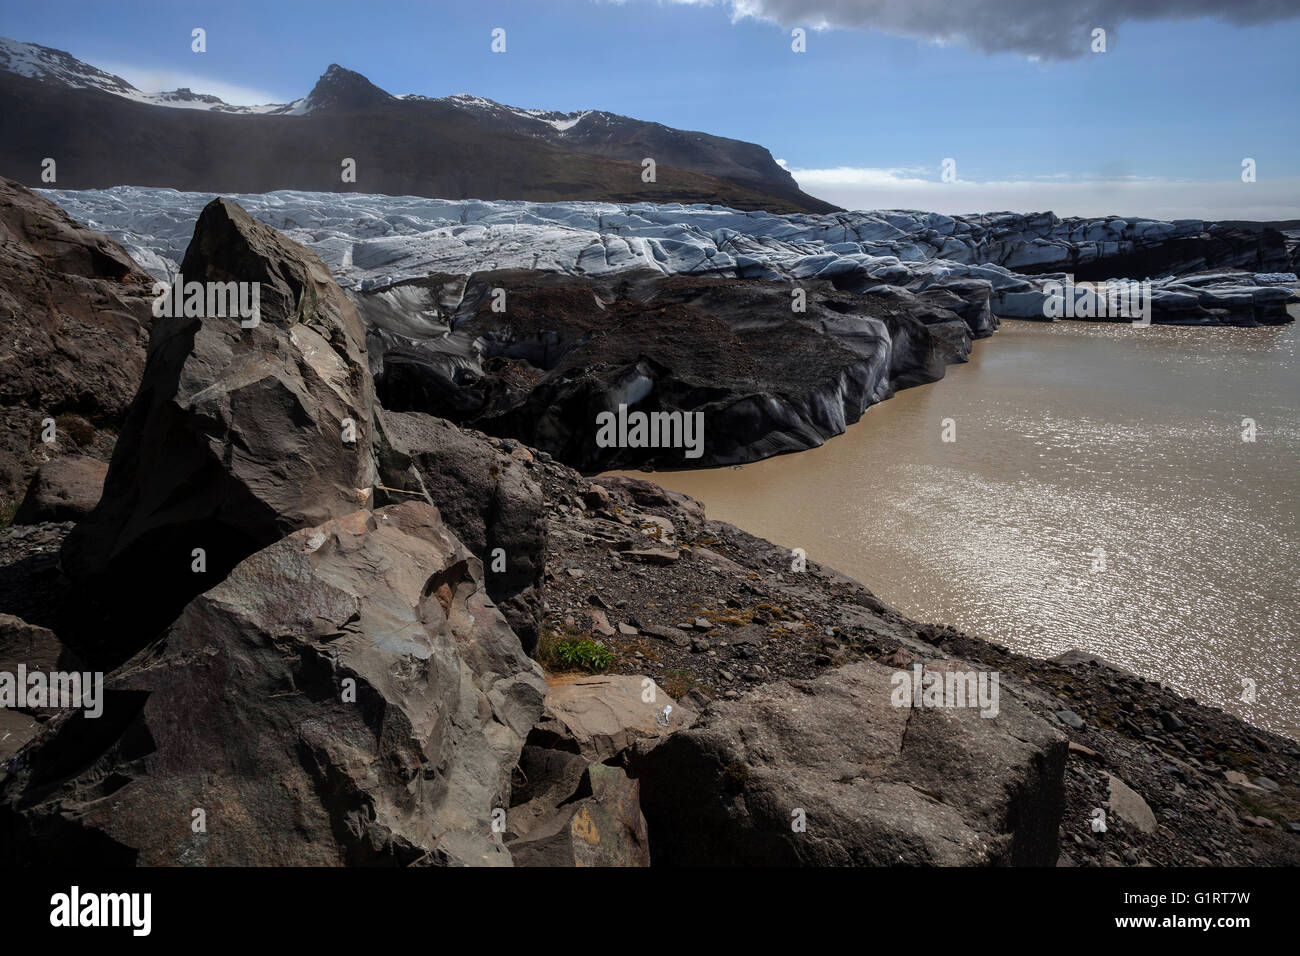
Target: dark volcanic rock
487	498
74	320
348	695
64	489
237	436
877	784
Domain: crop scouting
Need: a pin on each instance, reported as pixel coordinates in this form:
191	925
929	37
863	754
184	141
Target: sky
1159	124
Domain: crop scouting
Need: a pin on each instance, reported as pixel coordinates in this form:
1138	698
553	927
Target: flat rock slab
868	782
603	717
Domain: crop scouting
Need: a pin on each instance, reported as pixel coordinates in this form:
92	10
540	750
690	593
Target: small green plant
584	655
7	511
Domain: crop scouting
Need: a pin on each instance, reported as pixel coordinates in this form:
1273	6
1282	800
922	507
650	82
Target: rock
703	623
718	561
1129	806
1087	753
237	436
876	784
64	489
627	630
601	718
36	649
1171	721
596	498
1074	657
545	780
600	623
603	829
16	729
674	636
244	708
75	312
1265	783
494	507
650	555
1070	719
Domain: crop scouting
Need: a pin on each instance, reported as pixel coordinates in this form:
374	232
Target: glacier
374	241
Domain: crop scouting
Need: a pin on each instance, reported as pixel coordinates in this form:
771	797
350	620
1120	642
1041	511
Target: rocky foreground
324	645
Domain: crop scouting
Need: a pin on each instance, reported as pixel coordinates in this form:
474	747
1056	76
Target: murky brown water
1072	437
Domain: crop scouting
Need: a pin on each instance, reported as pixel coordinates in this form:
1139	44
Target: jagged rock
237	436
489	500
348	695
605	828
877	784
63	489
74	319
602	718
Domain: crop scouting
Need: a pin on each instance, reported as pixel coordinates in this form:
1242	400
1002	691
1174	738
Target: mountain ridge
496	151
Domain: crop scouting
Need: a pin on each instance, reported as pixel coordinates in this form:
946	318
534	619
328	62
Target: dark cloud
1050	29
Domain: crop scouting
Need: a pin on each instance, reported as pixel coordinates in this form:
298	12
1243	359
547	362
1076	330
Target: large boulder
64	489
872	784
237	436
348	695
489	500
74	321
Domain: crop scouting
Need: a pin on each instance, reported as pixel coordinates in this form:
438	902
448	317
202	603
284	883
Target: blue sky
1157	125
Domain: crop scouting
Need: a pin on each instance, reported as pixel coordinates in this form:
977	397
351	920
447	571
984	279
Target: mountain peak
344	89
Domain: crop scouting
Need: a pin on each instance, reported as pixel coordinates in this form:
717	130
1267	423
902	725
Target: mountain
102	131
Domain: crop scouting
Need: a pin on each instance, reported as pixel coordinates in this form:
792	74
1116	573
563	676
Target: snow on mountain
560	122
337	87
55	66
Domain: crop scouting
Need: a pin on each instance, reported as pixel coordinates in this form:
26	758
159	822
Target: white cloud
149	80
875	188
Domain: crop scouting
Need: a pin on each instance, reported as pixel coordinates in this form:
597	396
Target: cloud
149	80
910	188
1039	29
